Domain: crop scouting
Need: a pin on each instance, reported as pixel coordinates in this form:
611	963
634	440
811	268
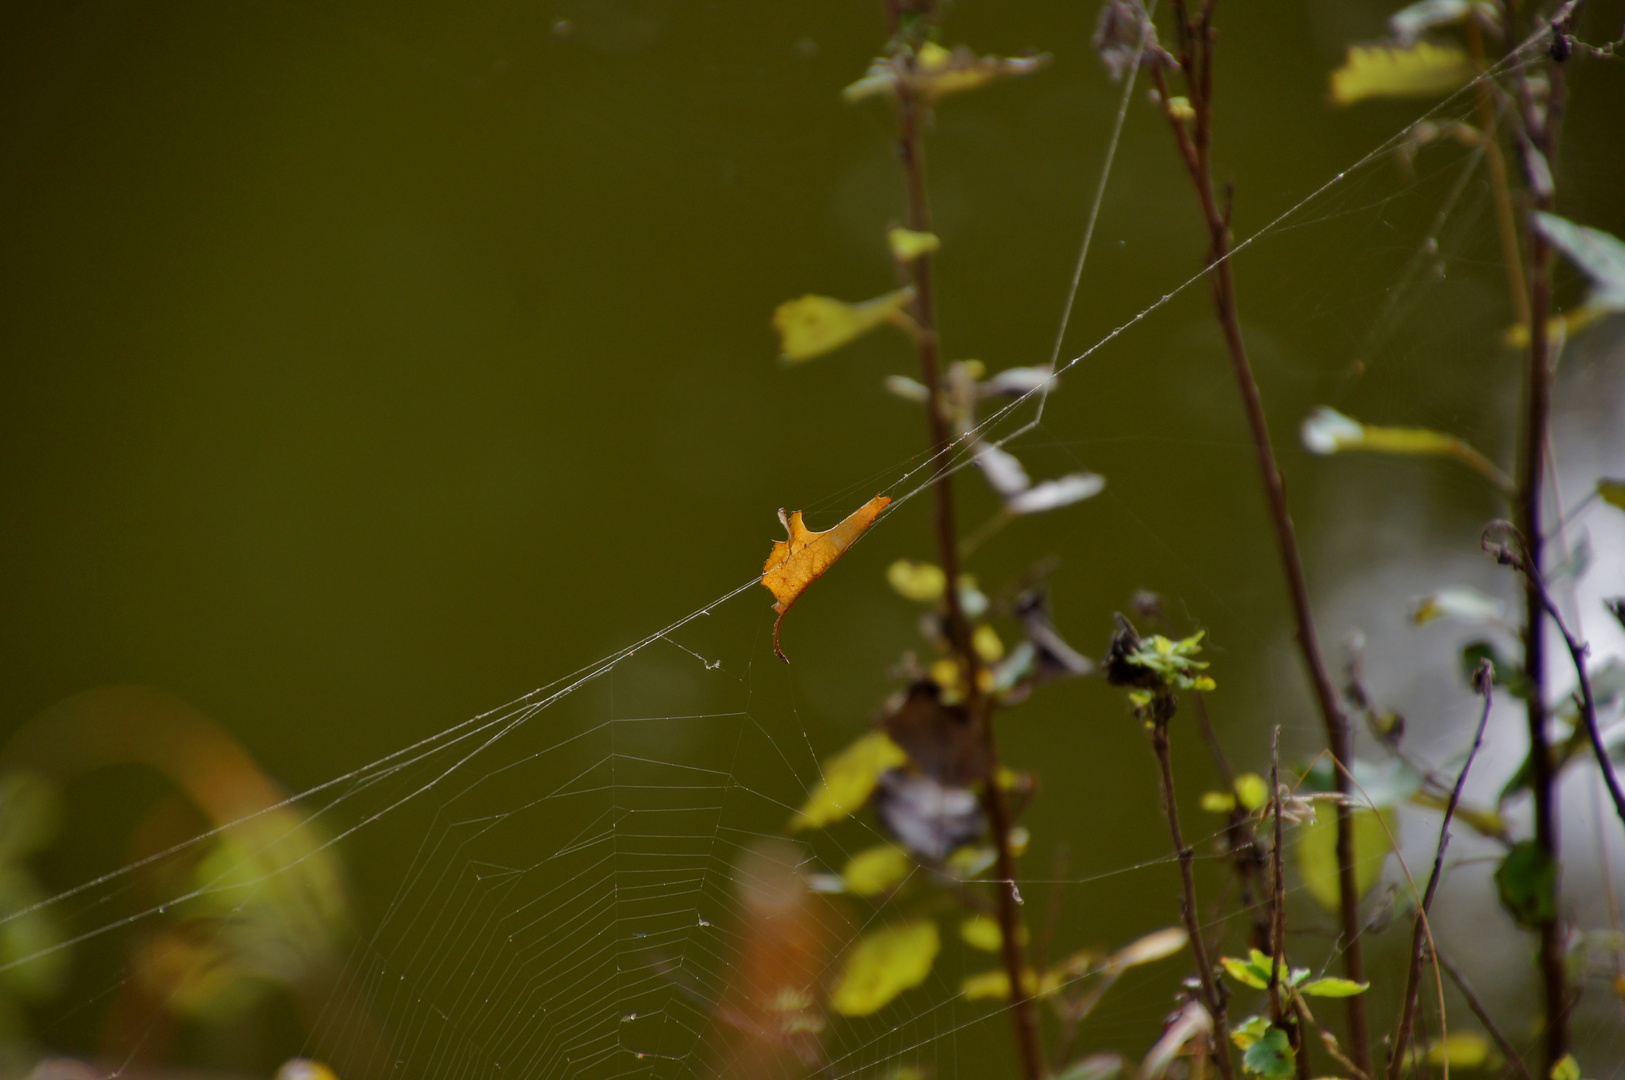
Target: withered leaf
929	818
802	559
940	739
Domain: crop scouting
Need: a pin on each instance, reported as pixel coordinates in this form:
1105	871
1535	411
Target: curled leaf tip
803	557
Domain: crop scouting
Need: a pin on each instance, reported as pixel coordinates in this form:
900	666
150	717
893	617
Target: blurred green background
366	365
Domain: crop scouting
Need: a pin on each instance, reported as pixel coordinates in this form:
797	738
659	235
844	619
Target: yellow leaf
908	245
876	869
939	71
802	559
814	325
1461	1050
987	644
1218	802
849	779
995	986
884	964
1317	853
1252	791
1424	69
1180	108
919	582
981	932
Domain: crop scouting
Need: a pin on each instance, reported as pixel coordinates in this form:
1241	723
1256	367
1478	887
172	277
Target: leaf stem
912	116
1196	42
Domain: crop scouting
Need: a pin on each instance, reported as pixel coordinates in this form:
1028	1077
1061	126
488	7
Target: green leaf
1317	853
1243	973
876	870
1271	1056
1566	1068
1421	70
884	964
922	583
1527	882
1252	791
1461	1050
1504	673
1612	492
849	779
1334	988
1249	1031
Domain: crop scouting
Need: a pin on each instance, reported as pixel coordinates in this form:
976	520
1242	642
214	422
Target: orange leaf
802	559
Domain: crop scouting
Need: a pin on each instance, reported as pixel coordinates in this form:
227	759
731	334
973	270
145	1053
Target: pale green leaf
1327	431
1243	973
1271	1056
884	964
1334	988
1566	1068
1154	946
1317	853
1468	605
1249	1031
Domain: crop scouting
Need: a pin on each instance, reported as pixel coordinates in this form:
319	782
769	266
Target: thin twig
1196	41
1508	1051
1482	682
1213	994
912	118
1242	846
1577	655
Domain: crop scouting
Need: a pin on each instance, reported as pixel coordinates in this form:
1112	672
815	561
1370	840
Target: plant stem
1196	63
912	115
1540	126
1420	933
1509	1051
1213	996
1242	845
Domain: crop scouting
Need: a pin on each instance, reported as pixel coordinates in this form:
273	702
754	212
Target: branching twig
1577	655
912	117
1398	1046
1192	137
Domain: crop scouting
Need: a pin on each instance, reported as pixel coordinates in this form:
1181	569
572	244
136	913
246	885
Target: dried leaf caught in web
942	740
1054	494
802	559
939	71
1003	470
815	325
929	818
849	779
884	964
1424	69
1013	382
1124	32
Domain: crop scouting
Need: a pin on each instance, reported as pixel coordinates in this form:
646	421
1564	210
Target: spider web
572	903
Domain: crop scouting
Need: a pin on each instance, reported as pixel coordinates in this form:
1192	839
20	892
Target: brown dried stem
912	117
